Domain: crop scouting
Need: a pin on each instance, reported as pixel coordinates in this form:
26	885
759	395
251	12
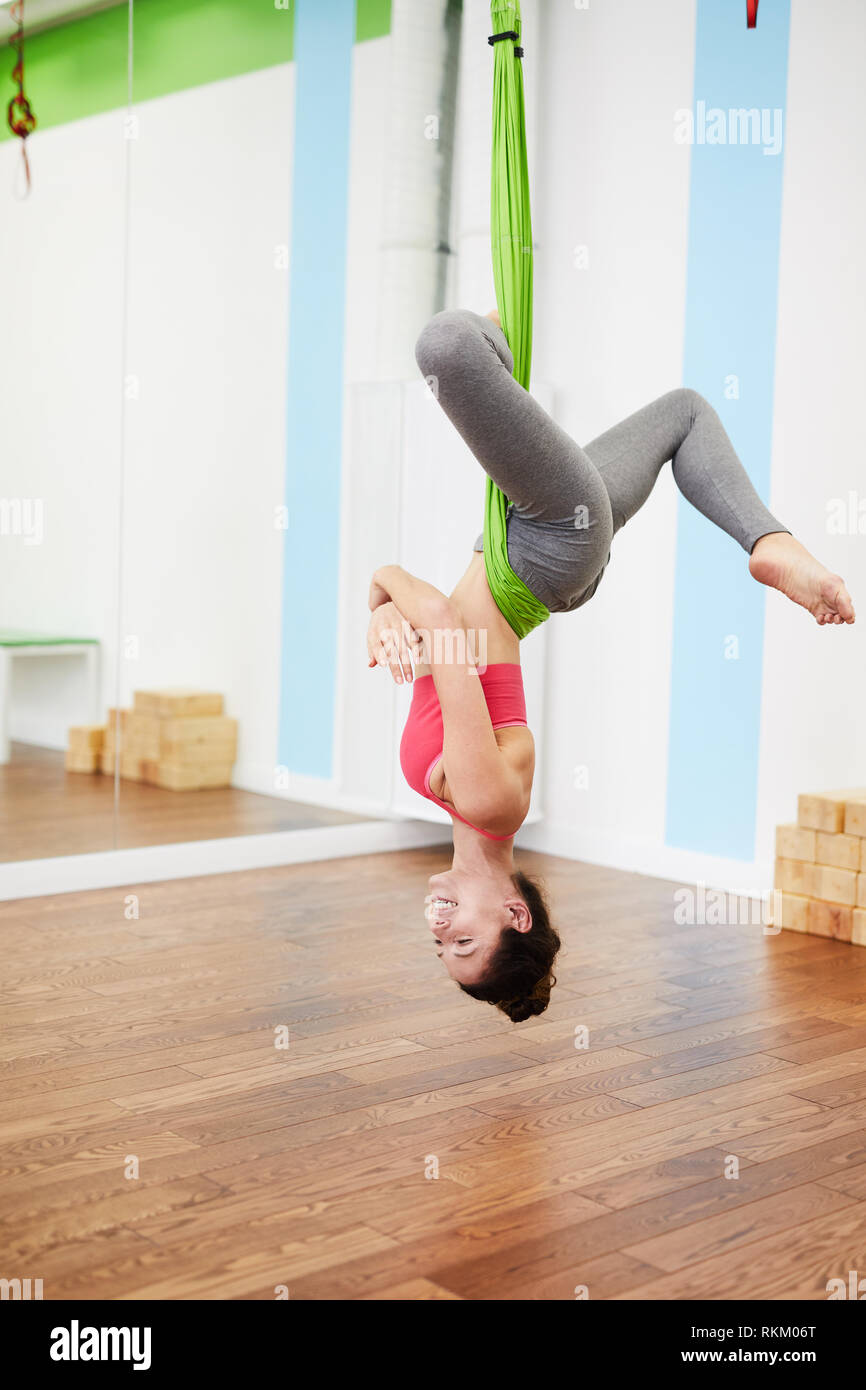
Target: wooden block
855	815
830	919
84	738
178	702
219	754
189	730
834	885
208	738
185	777
793	912
861	890
112	724
793	842
133	748
86	761
822	811
796	876
842	851
131	767
142	734
858	928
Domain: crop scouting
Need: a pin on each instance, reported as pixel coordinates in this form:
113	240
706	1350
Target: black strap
508	34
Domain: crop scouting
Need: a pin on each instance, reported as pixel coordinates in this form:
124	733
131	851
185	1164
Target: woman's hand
378	594
392	641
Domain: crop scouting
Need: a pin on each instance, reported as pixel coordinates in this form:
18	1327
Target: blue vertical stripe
733	263
324	35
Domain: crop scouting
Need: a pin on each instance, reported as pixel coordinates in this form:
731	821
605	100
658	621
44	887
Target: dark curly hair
520	977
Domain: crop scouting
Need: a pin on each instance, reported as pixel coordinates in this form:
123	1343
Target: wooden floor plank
412	1291
802	1133
701	1240
795	1263
851	1180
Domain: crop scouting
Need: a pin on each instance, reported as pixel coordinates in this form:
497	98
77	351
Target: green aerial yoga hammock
511	243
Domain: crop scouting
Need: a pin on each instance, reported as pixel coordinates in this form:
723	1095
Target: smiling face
467	914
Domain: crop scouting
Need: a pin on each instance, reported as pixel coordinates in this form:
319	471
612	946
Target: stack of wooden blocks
84	751
178	739
821	866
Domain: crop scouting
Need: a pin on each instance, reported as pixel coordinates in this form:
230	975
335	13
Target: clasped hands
392	642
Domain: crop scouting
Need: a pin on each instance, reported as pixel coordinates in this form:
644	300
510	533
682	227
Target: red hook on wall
751	13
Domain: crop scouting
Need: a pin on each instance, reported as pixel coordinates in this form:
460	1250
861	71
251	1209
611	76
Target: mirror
148	663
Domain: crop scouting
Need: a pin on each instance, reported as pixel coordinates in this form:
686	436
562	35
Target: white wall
205	437
206	440
610	338
60	252
812	732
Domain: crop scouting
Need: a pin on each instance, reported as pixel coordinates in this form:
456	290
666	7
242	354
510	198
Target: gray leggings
568	503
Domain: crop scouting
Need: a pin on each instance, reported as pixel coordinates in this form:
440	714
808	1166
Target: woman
466	745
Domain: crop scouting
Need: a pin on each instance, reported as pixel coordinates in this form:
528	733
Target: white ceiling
44	14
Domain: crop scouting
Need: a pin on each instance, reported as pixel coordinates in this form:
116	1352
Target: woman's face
467	914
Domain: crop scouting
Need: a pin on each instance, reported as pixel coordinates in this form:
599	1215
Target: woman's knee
692	402
594	521
441	341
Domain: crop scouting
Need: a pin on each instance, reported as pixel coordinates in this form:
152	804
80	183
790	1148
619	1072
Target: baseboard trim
31	878
75	873
311	791
648	857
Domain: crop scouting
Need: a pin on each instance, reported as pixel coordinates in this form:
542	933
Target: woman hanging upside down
466	745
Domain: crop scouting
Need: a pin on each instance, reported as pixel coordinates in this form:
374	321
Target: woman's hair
520	977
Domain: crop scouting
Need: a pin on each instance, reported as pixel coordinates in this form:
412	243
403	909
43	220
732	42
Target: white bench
15	643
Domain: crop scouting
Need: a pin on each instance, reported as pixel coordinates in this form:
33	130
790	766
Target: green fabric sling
511	245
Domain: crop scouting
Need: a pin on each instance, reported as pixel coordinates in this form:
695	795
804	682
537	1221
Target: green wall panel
372	19
79	69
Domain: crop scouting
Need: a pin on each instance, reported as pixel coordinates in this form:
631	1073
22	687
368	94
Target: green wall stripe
372	19
79	68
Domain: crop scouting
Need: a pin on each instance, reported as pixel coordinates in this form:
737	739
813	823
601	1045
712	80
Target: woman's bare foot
494	315
784	564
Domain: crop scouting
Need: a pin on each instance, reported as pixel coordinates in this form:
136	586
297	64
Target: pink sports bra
423	736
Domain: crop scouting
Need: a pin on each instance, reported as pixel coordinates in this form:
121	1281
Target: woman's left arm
485	788
419	602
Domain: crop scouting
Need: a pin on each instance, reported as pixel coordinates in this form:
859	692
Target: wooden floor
151	1042
47	811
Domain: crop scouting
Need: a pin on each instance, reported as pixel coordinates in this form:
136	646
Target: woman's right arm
485	788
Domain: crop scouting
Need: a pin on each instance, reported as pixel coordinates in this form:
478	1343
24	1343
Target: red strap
751	13
19	115
20	124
